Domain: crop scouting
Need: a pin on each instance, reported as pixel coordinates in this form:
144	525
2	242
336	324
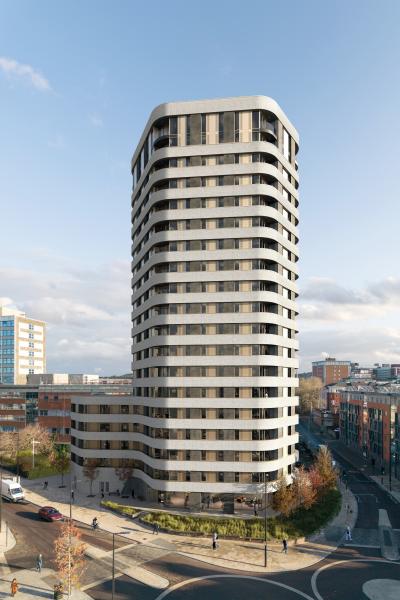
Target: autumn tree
283	500
324	467
315	479
91	471
60	458
38	434
69	555
303	490
309	393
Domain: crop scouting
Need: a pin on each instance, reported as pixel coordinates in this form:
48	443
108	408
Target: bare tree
309	393
69	555
125	470
91	471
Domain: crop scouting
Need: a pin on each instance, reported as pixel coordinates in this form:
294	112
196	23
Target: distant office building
331	370
22	346
361	373
395	371
63	379
383	372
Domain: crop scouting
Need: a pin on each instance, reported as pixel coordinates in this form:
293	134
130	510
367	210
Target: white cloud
96	120
87	312
355	324
12	67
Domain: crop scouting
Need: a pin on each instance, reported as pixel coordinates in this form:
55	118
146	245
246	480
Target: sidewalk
32	584
356	459
232	554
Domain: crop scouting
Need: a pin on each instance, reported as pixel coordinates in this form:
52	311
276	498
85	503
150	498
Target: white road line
166	593
99	582
339	562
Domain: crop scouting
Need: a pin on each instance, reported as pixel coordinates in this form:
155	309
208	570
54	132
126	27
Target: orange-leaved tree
284	500
304	492
69	555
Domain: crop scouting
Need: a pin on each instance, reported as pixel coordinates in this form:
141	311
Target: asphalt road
342	576
33	535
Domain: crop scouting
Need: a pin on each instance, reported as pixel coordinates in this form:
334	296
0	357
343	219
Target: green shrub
120	508
301	522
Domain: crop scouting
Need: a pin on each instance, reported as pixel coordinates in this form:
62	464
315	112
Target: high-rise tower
214	252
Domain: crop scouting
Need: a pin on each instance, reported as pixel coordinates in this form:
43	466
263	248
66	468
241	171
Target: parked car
48	513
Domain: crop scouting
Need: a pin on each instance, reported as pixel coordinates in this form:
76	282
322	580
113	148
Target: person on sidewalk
14	587
284	546
348	534
39	563
214	540
156	529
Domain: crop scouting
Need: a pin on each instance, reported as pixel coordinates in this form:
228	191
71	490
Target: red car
48	513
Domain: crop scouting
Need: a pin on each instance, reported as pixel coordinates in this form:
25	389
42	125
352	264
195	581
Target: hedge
301	523
123	509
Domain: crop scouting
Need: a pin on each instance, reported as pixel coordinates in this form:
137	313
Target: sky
78	81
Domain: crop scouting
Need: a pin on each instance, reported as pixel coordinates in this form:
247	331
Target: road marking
195	579
99	582
339	562
362	545
372	495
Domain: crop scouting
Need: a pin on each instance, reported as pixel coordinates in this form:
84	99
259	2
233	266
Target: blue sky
77	83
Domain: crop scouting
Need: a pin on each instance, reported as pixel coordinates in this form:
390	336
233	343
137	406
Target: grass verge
300	523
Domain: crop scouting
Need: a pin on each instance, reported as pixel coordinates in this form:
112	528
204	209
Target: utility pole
113	567
265	520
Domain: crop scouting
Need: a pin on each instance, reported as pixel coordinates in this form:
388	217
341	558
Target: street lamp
113	567
266	477
33	452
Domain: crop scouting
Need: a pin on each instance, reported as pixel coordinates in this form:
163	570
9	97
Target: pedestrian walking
214	540
284	546
348	534
39	563
156	528
14	587
45	485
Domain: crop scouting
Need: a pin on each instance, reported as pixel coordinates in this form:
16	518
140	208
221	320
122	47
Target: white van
11	490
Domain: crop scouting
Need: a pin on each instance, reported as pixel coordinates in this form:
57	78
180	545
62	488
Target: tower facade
214	253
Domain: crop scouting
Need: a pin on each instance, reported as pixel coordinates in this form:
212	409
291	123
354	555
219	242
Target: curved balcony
161	141
267	131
